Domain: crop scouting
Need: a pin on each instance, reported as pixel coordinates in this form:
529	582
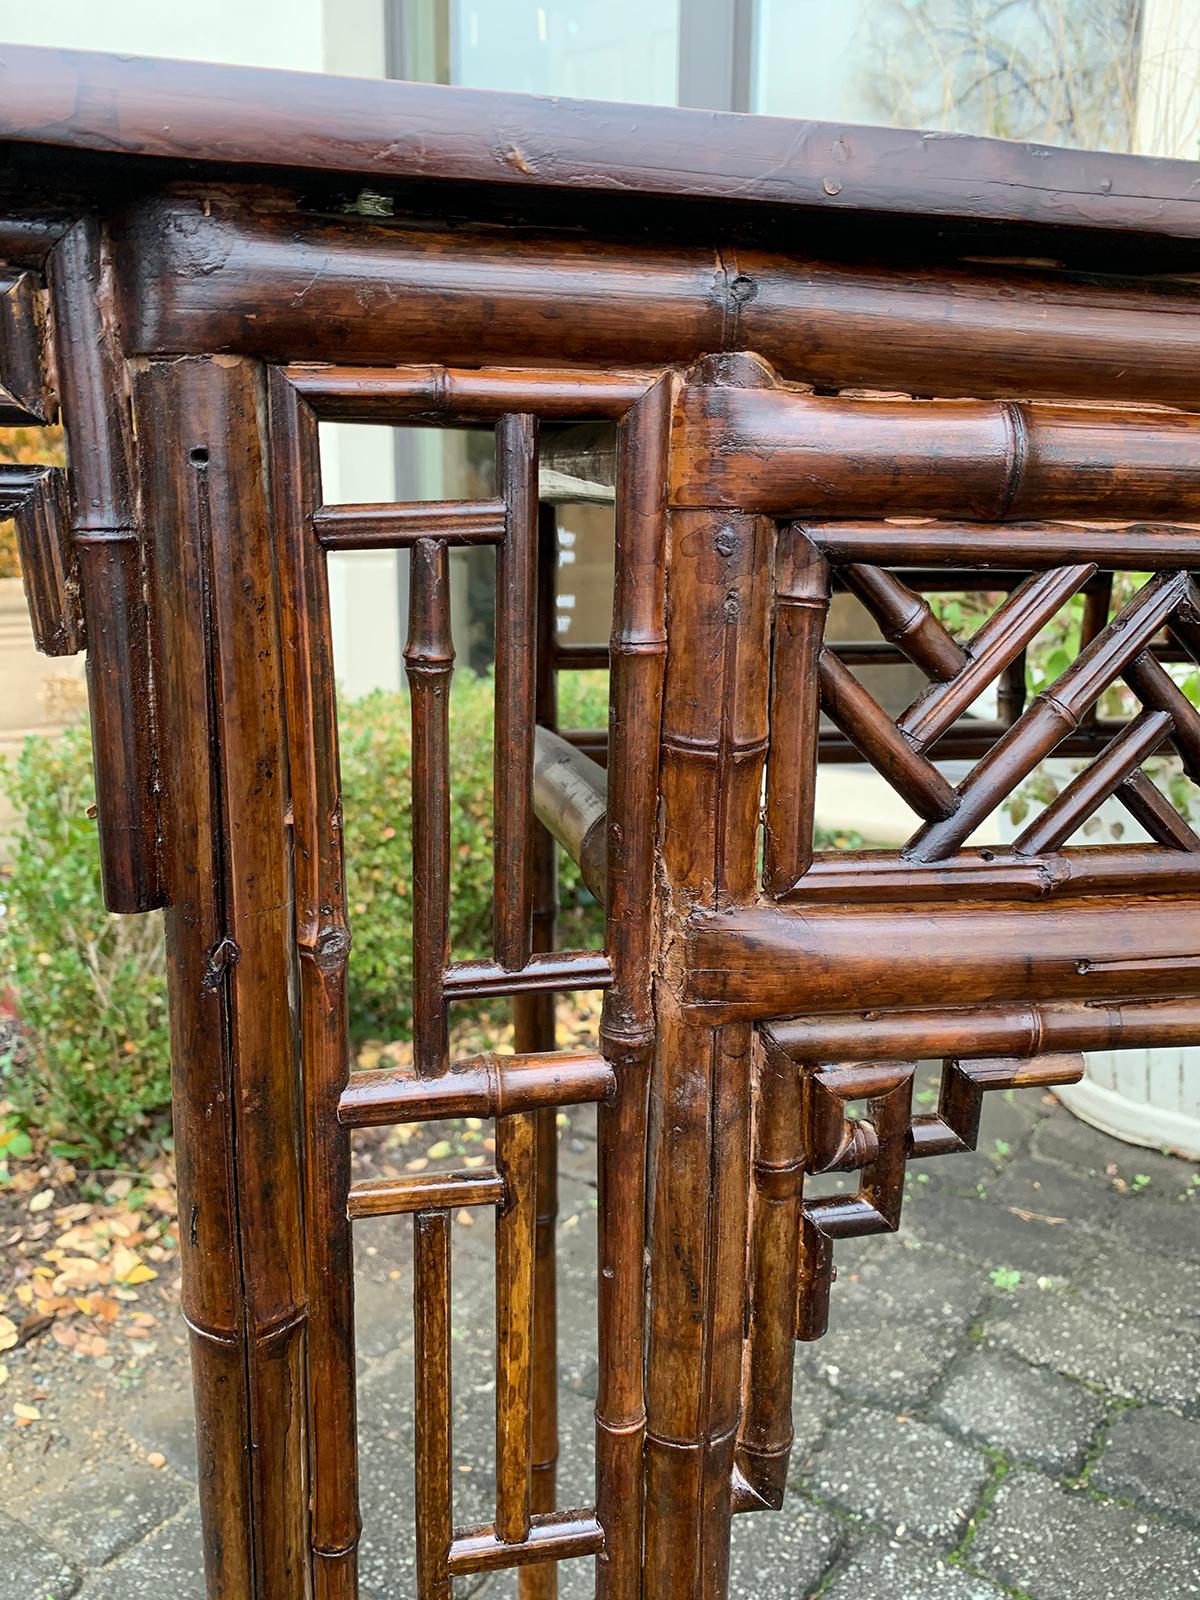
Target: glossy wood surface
179	110
845	370
207	272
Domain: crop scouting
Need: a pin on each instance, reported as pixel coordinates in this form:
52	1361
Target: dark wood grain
349	291
36	499
116	568
179	110
322	937
846	371
429	663
791	454
232	964
27	396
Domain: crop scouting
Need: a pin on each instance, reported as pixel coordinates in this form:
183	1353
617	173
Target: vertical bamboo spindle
801	603
638	653
429	662
431	1311
714	738
114	572
516	603
765	1435
323	941
515	1155
1097	607
231	965
534	1030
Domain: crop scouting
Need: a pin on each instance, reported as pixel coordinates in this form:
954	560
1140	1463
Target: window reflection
592	49
1100	74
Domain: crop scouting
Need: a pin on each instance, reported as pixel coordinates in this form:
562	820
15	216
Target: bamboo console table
835	358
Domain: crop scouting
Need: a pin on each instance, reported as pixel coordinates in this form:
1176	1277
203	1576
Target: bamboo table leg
231	968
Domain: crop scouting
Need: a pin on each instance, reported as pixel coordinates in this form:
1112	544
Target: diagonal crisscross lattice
899	747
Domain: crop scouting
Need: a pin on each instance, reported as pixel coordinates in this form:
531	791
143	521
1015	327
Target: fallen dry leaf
42	1201
27	1413
123	1262
1035	1216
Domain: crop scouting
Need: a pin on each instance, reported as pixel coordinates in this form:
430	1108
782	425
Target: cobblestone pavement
1006	1404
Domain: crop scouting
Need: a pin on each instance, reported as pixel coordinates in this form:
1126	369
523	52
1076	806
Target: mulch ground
90	1260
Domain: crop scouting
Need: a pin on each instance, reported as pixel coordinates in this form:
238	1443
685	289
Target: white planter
1149	1097
1146	1097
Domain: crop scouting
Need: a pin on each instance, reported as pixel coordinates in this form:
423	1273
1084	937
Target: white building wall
264	33
342	36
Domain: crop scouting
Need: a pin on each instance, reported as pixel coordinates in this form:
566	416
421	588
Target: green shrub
88	988
92	1067
376	784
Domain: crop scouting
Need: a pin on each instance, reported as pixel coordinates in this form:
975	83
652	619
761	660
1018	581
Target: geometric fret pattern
748	1107
879	1145
1123	648
1158	622
184	278
523	1092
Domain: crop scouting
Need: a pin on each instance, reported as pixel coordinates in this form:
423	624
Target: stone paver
30	1569
109	1507
1169	1229
1100	1343
169	1565
814	1407
907	1477
1025	1412
990	1234
158	1416
1083	1149
1164	1290
784	1557
933	1358
902	1367
1045	1189
911	1320
1153	1457
889	1570
1057	1545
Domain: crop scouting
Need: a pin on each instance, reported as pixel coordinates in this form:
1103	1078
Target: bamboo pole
765	1431
516	646
429	663
1054	714
784	453
231	967
114	571
323	944
534	1029
1032	546
801	604
997	644
627	1025
1088	790
434	1462
757	962
398	527
570	799
1028	1029
713	750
